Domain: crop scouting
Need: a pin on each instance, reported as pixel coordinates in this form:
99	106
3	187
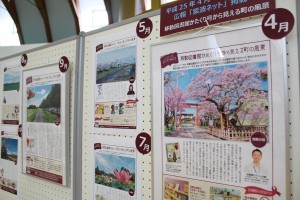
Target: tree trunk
224	121
167	120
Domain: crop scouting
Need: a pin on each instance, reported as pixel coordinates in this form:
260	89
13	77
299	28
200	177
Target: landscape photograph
116	65
224	193
44	103
9	149
115	171
217	103
11	81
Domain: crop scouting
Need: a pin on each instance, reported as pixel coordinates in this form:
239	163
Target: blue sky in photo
13	77
109	162
127	54
185	78
11	145
40	92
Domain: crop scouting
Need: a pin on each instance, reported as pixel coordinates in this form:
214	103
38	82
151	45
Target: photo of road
43	103
190	131
117	65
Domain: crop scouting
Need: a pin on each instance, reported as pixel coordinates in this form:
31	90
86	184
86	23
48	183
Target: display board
10	108
113	102
118	170
272	151
113	133
117	82
45	95
41	61
10	162
219	116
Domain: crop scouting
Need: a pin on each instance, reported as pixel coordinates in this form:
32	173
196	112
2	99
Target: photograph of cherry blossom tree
223	102
115	171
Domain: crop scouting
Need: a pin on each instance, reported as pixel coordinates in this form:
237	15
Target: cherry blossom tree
254	112
174	101
227	88
208	110
174	97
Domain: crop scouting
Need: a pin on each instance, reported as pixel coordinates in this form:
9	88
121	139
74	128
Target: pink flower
122	176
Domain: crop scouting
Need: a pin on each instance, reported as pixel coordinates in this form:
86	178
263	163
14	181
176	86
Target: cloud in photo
12	77
42	92
110	162
103	162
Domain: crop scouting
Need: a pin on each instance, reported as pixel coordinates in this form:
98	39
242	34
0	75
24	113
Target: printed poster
9	163
220	117
116	77
117	173
11	95
45	95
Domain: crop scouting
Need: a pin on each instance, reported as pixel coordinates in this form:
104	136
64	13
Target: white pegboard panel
89	131
293	82
36	189
293	85
293	94
32	188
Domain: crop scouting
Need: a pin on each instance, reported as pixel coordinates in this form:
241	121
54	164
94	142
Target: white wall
12	50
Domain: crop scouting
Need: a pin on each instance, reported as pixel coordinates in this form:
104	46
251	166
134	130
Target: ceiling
45	21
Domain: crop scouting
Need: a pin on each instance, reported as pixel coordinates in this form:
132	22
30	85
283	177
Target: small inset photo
176	189
220	193
9	149
173	152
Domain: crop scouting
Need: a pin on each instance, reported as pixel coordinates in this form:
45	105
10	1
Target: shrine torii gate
191	105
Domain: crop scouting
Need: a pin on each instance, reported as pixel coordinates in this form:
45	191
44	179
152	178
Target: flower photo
115	171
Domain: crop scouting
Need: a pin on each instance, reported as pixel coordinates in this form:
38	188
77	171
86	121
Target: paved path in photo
189	131
38	116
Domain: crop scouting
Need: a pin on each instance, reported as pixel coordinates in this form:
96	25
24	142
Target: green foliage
11	86
52	101
32	107
110	181
99	197
4	154
114	183
168	131
31	113
48	117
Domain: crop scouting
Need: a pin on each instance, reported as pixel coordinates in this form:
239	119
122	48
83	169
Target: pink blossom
123	176
227	88
174	98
